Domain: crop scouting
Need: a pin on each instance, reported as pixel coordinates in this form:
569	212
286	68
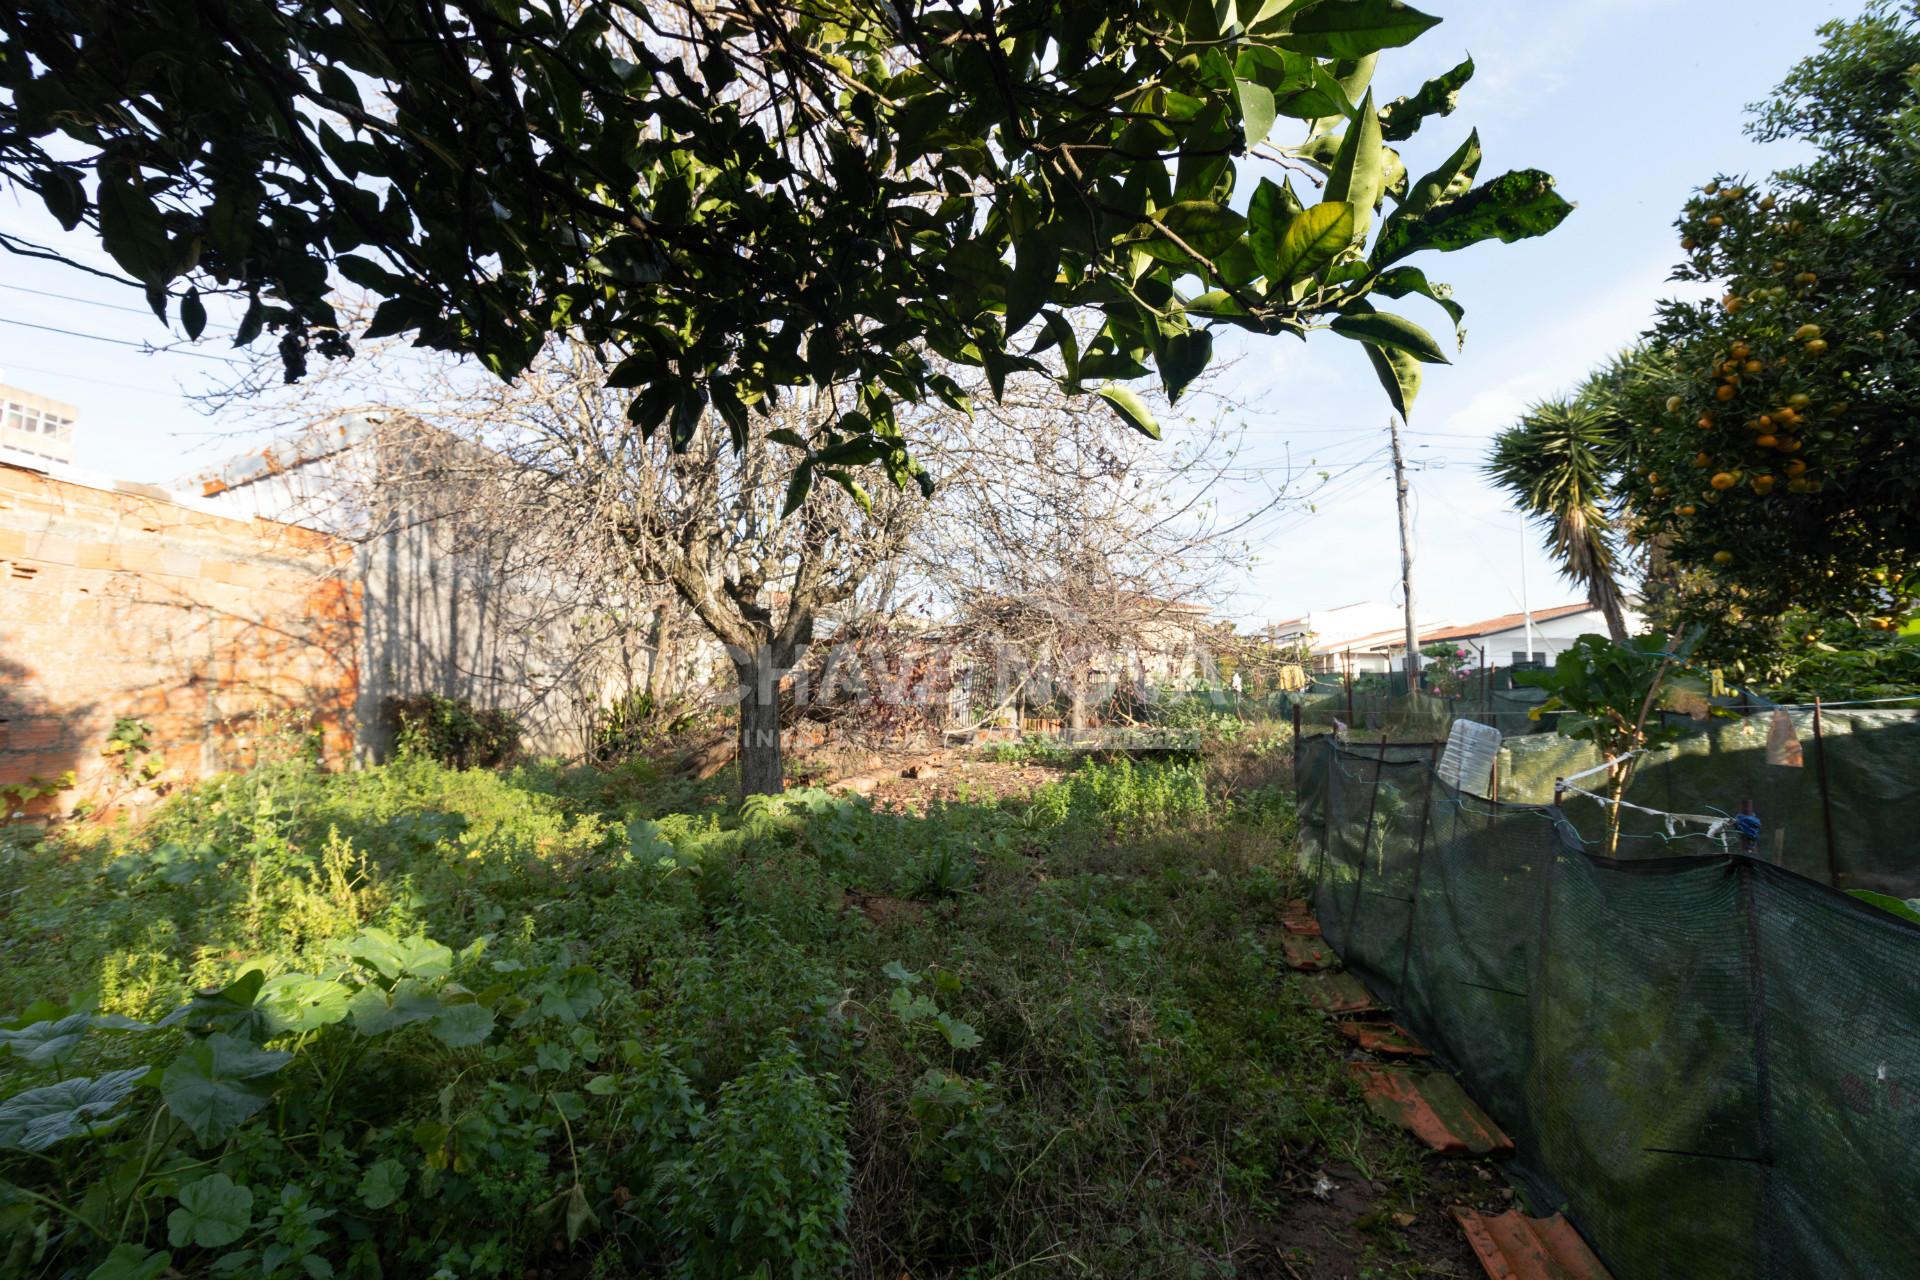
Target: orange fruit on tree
1817	347
1723	557
1806	332
1705	422
1673	404
1725	392
1723	480
1806	278
1763	484
1755	366
1740	351
1687	510
1796	469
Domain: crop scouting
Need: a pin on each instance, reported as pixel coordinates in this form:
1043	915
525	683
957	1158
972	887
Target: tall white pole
1406	555
1525	610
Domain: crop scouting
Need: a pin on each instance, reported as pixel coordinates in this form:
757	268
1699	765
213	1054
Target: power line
94	302
144	347
93	381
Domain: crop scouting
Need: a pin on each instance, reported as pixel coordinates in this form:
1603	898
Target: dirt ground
910	781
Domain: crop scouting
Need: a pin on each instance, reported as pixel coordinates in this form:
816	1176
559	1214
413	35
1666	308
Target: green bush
451	731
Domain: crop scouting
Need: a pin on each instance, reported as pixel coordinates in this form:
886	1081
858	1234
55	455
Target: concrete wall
119	601
457	604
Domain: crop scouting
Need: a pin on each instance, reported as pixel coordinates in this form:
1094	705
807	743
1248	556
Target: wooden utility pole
1406	555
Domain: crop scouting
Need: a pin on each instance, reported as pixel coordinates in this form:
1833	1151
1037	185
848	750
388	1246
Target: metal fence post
1826	794
1419	865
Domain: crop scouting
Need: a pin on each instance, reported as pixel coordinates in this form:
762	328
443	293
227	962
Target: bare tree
1051	530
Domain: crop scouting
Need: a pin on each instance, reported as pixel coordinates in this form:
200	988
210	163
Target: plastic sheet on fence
1713	1064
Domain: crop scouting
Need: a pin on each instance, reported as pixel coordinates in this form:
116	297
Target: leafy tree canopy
736	198
1771	444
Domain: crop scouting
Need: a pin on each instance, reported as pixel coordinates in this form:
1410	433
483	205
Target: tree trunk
1077	703
1608	603
660	661
761	769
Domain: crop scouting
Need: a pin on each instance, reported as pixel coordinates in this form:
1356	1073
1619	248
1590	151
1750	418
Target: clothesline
1835	706
1602	767
1715	825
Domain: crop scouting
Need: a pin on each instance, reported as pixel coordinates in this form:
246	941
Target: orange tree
731	198
1775	463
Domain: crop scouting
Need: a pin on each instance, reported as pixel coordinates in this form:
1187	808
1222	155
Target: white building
1370	638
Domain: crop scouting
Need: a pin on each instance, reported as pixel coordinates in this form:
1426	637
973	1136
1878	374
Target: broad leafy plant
1608	691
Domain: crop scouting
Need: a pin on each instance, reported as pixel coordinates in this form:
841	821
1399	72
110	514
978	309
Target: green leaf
382	1183
417	956
798	486
1356	175
48	1040
1907	909
1514	206
1273	206
1355	28
1402	117
1209	228
299	1002
686	420
1132	409
1312	240
1449	182
132	1262
217	1083
463	1026
649	409
65	198
636	370
732	410
193	314
213	1213
132	231
37	1119
1036	263
579	1214
1256	110
375	1012
1401	281
1181	358
1399	373
1385	329
1323	98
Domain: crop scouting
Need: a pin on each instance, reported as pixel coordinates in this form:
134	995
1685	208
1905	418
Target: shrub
451	731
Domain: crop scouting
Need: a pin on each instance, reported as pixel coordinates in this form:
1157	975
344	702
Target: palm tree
1557	462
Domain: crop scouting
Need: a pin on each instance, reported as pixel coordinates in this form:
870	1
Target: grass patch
419	1021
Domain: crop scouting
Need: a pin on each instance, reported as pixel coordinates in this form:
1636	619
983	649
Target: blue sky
1630	103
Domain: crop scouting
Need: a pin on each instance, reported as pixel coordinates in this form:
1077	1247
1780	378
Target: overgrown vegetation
419	1021
451	731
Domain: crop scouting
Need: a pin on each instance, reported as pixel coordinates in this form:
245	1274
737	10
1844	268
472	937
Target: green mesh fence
1845	832
1420	717
1711	1063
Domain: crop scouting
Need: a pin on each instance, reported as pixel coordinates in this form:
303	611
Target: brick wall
120	602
